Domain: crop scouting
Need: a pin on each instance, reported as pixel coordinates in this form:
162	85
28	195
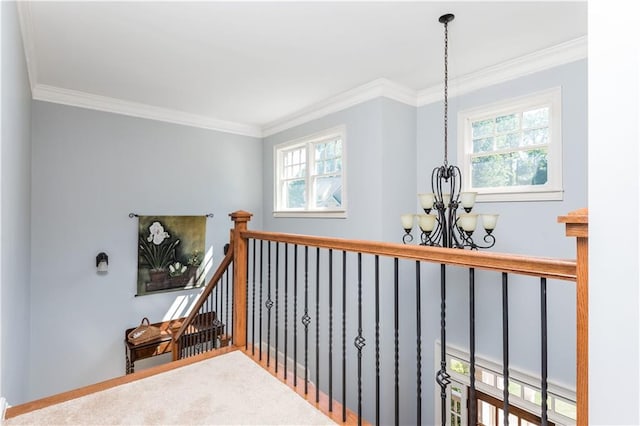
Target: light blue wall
15	229
397	189
90	170
380	139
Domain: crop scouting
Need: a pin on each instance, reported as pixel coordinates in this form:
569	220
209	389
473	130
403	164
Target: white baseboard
299	367
3	407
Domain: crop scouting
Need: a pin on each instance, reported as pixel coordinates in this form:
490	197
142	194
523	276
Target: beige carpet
228	389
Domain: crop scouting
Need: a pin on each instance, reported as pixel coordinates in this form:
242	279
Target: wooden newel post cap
240	216
577	223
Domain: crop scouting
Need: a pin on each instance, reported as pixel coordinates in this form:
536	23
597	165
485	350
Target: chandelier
445	227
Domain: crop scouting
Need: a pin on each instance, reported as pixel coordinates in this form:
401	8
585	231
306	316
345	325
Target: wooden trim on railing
226	261
577	225
527	265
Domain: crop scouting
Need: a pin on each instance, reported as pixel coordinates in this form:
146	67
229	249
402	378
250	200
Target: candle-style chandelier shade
445	227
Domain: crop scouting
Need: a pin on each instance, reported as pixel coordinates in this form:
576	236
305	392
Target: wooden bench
161	345
164	344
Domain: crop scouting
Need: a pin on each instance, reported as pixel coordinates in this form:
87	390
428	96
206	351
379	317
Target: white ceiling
257	63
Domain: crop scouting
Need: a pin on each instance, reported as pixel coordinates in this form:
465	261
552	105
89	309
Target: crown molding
541	60
26	29
554	56
544	59
381	87
76	98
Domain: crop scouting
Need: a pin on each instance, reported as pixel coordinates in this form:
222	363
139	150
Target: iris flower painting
170	253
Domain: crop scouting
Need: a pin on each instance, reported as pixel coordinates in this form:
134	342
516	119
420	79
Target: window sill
326	214
549	195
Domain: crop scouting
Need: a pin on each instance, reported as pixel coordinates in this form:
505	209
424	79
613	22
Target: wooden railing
577	225
566	270
202	330
243	257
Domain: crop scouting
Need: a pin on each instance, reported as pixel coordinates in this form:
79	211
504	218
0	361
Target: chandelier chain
446	93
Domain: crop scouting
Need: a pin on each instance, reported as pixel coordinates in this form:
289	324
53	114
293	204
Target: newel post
240	258
577	225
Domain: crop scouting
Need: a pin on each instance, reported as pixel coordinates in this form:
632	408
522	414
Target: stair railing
304	252
203	329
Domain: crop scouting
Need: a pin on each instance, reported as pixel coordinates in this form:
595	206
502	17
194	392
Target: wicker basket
143	333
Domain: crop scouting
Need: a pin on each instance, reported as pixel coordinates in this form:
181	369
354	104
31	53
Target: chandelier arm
456	183
435	235
407	237
455	241
490	240
426	239
467	240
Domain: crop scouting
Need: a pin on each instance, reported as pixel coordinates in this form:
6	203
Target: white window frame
553	189
555	391
309	141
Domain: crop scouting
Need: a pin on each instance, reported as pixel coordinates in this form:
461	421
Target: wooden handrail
526	265
226	261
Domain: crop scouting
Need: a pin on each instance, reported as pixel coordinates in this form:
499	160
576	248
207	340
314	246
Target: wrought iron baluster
442	377
286	306
317	324
189	343
505	348
186	345
220	299
277	286
269	302
215	316
473	416
344	336
377	320
216	320
230	329
330	330
295	315
359	341
209	310
260	304
418	348
246	304
193	337
543	356
227	320
306	319
396	346
253	303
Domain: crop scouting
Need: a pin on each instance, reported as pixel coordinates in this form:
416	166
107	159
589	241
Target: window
525	395
512	150
490	413
310	176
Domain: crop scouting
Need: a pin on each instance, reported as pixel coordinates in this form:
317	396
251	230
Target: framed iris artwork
170	253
